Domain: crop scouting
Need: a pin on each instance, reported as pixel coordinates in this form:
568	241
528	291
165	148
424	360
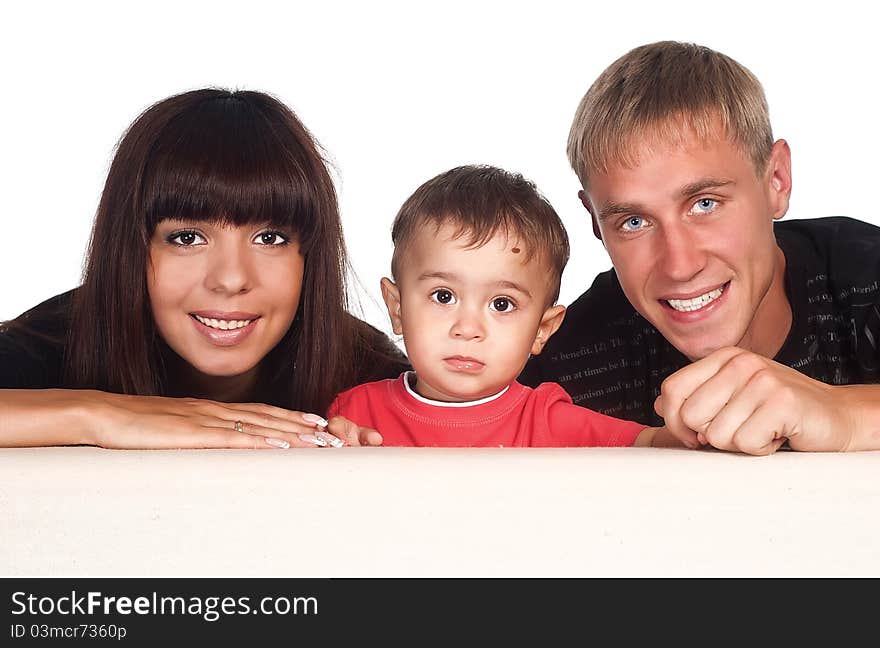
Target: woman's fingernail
314	418
311	438
278	443
336	442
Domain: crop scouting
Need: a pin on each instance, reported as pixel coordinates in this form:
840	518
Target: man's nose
682	254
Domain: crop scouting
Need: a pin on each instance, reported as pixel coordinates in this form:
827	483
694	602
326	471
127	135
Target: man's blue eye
633	223
706	204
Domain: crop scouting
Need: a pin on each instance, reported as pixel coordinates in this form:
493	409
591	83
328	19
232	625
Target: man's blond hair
655	95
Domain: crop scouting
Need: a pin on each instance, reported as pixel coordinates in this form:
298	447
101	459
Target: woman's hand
151	422
54	417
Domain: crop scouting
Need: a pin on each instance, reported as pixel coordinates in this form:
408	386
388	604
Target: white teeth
686	305
223	325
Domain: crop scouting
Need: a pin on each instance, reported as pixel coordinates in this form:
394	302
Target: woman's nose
229	269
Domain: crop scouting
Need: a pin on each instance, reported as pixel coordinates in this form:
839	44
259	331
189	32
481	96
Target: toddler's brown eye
502	305
443	296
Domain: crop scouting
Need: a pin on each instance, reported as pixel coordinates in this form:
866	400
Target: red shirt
520	416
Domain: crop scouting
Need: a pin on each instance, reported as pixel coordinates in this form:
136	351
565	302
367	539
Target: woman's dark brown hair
229	157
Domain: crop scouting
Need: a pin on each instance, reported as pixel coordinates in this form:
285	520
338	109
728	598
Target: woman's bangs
224	162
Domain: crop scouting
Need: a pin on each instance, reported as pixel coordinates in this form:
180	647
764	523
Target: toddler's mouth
464	364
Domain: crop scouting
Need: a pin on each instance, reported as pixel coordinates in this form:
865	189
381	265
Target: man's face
689	231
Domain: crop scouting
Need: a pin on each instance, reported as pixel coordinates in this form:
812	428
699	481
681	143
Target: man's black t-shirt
610	359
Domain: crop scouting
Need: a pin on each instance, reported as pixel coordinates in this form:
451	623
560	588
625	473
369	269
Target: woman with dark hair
215	276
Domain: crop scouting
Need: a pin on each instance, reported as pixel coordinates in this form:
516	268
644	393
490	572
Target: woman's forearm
47	417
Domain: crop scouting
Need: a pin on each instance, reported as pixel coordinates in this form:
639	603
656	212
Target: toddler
477	263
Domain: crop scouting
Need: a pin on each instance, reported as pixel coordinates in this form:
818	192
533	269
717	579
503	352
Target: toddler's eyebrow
451	277
512	285
445	276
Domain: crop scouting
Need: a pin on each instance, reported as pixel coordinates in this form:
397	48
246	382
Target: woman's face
223	296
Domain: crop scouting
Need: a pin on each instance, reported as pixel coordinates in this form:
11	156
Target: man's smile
686	304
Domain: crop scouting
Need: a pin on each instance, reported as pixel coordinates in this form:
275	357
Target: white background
397	93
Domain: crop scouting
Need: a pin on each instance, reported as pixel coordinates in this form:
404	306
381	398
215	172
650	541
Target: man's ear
550	323
586	203
391	295
778	178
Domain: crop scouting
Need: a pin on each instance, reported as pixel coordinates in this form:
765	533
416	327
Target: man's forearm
862	403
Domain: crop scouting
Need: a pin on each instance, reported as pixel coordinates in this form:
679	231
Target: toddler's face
469	317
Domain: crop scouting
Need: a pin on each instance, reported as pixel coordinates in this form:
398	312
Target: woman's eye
633	223
705	205
186	238
443	296
270	238
502	305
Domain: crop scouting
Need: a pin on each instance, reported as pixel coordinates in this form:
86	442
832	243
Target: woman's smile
227	330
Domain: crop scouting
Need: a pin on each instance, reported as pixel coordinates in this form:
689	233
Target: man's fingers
678	388
744	371
658	405
668	409
762	433
749	423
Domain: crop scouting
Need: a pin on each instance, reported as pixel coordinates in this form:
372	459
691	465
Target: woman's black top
32	348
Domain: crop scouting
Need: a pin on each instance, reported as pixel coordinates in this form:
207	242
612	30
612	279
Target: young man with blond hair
736	330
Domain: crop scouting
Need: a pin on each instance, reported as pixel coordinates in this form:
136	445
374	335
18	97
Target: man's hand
737	400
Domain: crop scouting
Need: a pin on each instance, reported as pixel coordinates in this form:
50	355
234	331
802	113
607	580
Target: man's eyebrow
624	209
700	186
618	209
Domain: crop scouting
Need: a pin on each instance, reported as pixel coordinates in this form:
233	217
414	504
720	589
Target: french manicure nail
314	418
336	442
278	443
311	438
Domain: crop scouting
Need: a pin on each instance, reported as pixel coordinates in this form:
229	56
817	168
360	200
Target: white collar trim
428	401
